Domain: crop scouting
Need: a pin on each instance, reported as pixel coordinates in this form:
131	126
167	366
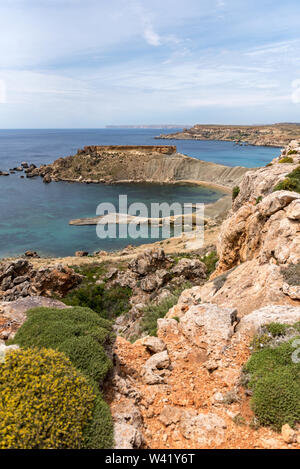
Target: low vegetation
108	302
82	335
235	192
290	183
153	312
286	159
45	402
274	376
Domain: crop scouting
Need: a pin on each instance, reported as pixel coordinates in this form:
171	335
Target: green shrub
107	302
235	192
258	200
45	403
210	260
286	159
82	335
156	311
275	382
290	183
292	152
276	329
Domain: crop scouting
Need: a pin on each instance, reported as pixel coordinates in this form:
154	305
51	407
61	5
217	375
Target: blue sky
88	63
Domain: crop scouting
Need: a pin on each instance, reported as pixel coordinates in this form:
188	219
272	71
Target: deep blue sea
36	216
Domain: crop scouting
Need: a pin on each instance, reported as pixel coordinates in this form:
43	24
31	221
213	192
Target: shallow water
36	216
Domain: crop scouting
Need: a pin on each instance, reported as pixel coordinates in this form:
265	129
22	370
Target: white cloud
296	92
151	36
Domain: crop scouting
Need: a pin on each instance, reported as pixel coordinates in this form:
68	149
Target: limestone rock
288	434
169	415
293	291
207	324
13	313
20	279
293	210
148	261
262	231
203	429
153	344
190	268
260	182
127	426
159	361
251	323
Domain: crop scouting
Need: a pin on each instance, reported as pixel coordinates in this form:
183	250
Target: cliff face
276	135
138	164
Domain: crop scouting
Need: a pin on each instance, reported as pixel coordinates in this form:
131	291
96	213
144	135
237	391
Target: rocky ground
276	135
183	389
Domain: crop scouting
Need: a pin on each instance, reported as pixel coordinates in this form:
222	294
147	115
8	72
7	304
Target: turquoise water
35	216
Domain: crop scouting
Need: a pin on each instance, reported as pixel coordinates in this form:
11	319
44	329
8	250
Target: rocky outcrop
19	279
264	231
152	276
160	164
276	135
13	313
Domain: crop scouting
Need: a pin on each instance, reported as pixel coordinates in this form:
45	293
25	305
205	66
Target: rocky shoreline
137	164
276	135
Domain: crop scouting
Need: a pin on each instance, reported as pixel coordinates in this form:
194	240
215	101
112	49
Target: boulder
31	254
203	429
149	261
190	269
13	313
159	361
128	426
252	323
81	253
152	344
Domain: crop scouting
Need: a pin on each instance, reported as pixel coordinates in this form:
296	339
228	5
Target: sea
35	216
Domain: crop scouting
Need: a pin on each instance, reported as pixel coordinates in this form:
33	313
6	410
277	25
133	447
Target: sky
90	63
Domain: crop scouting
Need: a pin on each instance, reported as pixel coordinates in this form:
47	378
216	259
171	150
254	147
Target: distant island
275	135
145	126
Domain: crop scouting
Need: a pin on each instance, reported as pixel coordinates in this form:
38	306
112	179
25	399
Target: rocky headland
159	164
197	319
276	135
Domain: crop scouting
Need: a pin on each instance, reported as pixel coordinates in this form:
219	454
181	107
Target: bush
210	260
45	403
109	303
286	159
156	311
82	335
235	192
290	183
258	200
275	382
292	152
